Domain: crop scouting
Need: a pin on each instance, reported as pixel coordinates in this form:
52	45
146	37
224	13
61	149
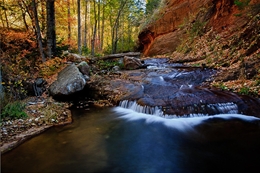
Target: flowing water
123	140
148	139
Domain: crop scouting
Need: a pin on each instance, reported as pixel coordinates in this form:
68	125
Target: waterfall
218	108
229	108
133	105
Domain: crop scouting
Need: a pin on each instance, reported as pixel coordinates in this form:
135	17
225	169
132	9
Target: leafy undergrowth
244	87
21	65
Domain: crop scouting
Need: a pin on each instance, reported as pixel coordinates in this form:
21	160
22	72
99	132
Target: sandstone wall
163	35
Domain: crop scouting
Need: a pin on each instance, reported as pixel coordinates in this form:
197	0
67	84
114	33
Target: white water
132	112
183	123
223	108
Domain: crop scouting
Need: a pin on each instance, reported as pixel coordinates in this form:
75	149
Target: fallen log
120	55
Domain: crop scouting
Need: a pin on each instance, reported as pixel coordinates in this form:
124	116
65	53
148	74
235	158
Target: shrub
244	91
14	110
241	4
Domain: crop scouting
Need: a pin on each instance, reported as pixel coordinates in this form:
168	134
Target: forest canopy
86	26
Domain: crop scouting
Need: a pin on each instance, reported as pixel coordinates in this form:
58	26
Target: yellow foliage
50	67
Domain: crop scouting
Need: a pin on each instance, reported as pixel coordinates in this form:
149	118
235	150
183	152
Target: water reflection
119	140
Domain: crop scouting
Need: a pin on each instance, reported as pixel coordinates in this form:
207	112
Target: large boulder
70	80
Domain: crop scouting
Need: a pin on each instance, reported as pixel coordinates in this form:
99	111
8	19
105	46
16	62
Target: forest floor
43	113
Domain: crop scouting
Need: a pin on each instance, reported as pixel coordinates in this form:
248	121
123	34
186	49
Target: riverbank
43	113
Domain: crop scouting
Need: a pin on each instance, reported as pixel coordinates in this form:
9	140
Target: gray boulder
70	80
84	68
132	63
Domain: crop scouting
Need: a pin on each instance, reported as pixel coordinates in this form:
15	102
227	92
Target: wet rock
35	87
84	68
178	91
116	69
131	63
128	90
70	80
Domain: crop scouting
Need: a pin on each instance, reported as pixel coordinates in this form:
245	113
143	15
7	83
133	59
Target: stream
167	123
122	140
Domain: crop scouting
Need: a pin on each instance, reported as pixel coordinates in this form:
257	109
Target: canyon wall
164	34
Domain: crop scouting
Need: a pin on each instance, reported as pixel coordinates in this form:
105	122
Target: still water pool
121	140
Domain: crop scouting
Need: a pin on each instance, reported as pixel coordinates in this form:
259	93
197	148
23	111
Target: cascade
218	108
133	105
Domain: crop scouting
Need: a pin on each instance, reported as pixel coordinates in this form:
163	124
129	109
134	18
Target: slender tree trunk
99	31
86	25
129	34
51	35
6	19
116	26
1	86
23	11
103	26
79	28
69	23
29	11
122	31
38	30
2	20
94	31
43	14
24	21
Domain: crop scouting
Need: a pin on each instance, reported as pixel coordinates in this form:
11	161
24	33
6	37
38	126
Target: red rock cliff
163	35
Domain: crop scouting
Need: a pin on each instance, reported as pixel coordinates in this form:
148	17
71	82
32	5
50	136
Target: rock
131	63
70	80
84	68
162	35
115	68
35	87
124	90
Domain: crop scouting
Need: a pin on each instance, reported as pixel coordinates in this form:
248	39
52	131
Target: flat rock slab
178	91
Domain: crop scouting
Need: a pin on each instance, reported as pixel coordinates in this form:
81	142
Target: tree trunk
121	55
94	31
6	19
43	14
116	26
69	25
29	11
51	35
103	26
99	31
79	28
38	30
129	34
86	25
23	11
2	20
1	86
